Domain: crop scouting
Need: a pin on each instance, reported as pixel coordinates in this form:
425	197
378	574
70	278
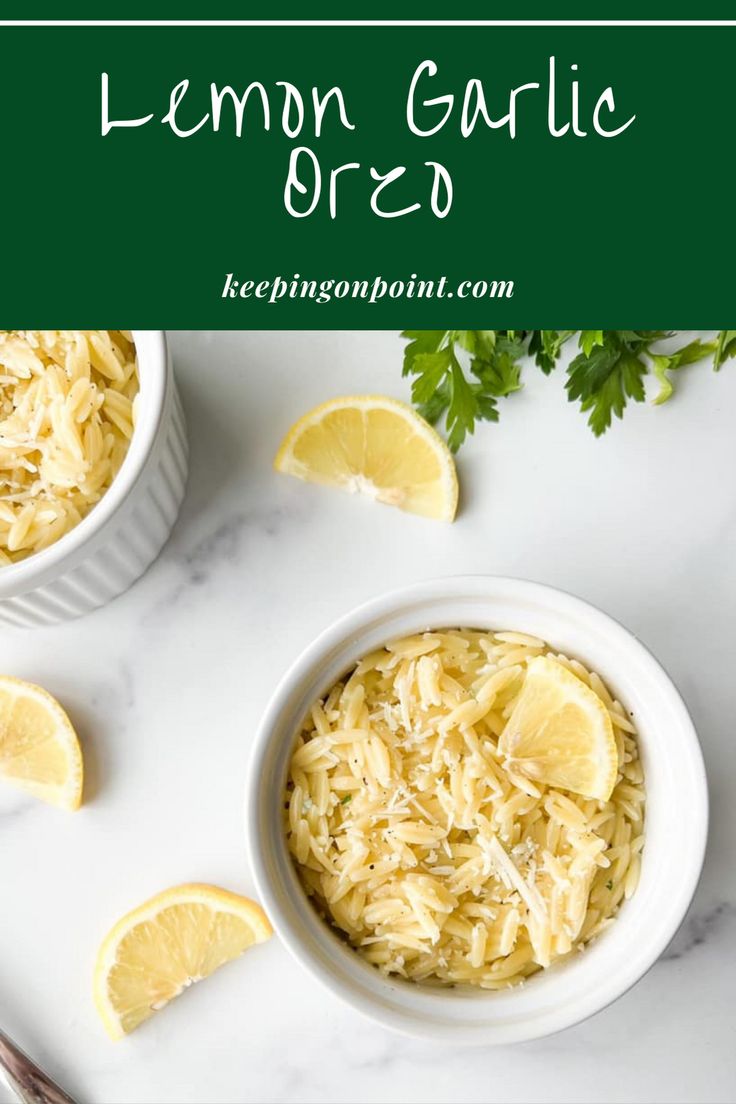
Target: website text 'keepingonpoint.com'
371	290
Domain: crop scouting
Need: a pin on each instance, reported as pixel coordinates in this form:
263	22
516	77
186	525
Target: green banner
367	176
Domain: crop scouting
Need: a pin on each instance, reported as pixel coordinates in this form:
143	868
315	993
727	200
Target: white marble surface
167	684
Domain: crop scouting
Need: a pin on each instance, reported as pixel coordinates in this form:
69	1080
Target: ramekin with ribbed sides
114	544
663	756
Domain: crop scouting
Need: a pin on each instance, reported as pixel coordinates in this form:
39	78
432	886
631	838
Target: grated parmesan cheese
67	412
445	866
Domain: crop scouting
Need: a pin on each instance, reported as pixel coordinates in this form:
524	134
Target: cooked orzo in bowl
67	412
465	807
575	985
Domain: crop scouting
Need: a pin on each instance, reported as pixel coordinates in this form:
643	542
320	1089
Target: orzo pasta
413	836
67	411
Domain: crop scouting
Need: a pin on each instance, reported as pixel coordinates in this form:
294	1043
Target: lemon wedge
376	446
39	749
161	948
560	733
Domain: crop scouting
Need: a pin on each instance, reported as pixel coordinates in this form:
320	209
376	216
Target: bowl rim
336	636
40	567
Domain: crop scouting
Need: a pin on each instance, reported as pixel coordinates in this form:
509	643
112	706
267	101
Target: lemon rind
219	900
69	795
284	459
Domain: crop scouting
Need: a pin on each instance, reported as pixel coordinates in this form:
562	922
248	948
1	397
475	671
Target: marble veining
717	924
167	684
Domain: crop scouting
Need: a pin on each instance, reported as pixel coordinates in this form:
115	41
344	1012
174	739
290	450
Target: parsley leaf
461	374
660	367
604	382
430	369
546	345
589	339
689	354
725	348
420	341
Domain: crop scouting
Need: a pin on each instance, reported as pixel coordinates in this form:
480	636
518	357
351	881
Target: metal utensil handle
26	1079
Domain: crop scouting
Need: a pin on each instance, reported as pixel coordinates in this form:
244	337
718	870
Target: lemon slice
39	750
560	733
376	446
161	948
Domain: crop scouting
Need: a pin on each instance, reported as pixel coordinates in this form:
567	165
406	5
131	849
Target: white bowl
676	813
122	535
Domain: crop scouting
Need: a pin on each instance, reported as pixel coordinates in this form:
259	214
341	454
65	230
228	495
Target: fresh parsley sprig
462	374
442	385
